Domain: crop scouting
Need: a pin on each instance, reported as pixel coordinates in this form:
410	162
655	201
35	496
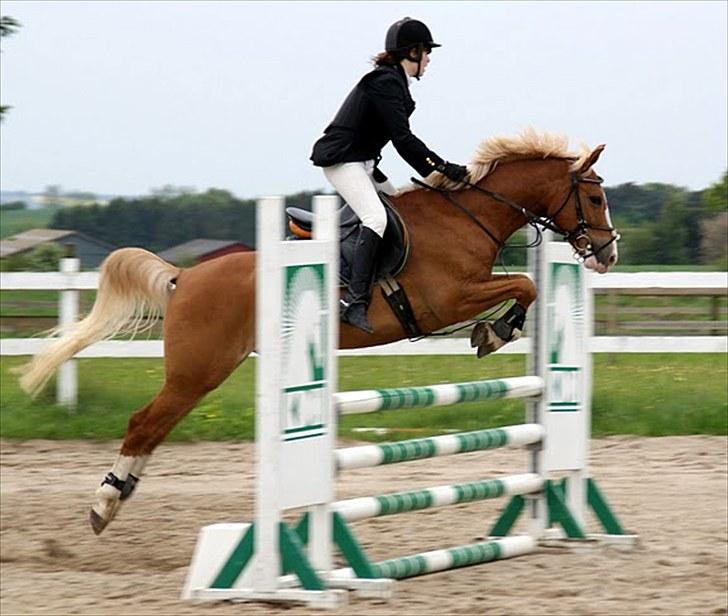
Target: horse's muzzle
603	257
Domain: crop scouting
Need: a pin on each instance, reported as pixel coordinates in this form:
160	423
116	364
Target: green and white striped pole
449	444
366	507
373	400
442	560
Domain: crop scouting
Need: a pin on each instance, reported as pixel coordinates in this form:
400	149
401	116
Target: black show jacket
376	112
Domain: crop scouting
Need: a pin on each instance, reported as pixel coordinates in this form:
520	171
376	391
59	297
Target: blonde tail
134	288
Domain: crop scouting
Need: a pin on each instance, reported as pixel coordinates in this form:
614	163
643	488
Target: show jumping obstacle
296	428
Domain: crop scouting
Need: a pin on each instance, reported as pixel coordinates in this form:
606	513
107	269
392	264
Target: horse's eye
596	201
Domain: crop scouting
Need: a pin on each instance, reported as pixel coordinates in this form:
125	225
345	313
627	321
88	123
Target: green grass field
16	221
647	395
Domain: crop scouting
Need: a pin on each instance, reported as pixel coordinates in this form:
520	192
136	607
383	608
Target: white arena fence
69	281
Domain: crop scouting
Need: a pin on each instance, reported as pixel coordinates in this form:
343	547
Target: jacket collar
407	79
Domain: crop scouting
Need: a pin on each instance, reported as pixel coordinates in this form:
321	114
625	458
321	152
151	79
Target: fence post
612	312
715	314
612	306
67	383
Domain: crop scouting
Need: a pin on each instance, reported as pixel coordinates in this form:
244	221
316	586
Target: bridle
577	237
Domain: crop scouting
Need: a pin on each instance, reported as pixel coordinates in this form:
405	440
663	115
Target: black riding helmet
407	34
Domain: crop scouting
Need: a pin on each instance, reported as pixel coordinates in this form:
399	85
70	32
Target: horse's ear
591	160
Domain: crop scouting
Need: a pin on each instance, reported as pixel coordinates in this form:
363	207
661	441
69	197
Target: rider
375	112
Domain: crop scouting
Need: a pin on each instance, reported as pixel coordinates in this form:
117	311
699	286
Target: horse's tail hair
134	288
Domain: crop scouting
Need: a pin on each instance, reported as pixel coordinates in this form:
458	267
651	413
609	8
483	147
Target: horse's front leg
489	337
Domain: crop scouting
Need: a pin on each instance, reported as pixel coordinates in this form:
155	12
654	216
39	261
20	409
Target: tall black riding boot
354	304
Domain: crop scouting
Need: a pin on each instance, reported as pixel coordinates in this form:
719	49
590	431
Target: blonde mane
529	144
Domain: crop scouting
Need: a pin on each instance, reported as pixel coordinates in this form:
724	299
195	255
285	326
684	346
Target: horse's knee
527	292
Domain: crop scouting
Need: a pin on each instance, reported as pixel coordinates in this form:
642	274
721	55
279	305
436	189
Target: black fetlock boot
353	306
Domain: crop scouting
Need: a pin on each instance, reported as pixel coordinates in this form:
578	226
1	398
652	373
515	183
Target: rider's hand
456	173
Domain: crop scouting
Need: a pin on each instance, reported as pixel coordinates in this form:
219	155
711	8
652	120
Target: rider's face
410	65
425	61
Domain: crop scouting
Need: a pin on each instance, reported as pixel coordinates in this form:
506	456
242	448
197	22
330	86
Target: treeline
659	223
666	224
11	206
158	222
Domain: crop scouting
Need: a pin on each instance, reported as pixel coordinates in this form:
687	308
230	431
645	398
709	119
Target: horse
209	309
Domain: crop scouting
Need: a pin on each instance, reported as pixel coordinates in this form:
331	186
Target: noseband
577	237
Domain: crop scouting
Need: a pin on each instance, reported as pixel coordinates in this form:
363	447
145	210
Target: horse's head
573	205
583	216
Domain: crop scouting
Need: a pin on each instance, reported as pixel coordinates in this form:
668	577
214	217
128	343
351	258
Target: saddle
393	254
394	250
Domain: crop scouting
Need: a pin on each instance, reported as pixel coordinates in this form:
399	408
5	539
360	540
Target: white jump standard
296	416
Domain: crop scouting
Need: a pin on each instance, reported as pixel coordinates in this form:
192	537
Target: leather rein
578	237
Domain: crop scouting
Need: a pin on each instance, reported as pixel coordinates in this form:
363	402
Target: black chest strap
399	303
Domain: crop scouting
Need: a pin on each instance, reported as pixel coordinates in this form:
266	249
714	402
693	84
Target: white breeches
354	182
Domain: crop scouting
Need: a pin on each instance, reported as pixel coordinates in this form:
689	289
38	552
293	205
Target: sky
122	97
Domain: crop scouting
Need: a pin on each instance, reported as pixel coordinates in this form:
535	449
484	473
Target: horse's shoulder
407	199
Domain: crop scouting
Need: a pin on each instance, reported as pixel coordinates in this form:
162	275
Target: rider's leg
354	183
355	303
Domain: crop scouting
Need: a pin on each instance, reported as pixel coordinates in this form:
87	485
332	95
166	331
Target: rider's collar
405	74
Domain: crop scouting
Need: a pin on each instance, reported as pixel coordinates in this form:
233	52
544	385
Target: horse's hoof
484	350
98	524
478	335
491	341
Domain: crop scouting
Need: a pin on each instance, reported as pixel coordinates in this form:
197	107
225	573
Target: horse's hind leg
147	427
209	328
189	377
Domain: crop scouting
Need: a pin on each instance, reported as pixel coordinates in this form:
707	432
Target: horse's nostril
612	259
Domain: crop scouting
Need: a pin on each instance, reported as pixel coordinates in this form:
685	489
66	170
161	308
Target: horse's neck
530	184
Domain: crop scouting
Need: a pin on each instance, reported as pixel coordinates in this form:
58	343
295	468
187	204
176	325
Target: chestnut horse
456	233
